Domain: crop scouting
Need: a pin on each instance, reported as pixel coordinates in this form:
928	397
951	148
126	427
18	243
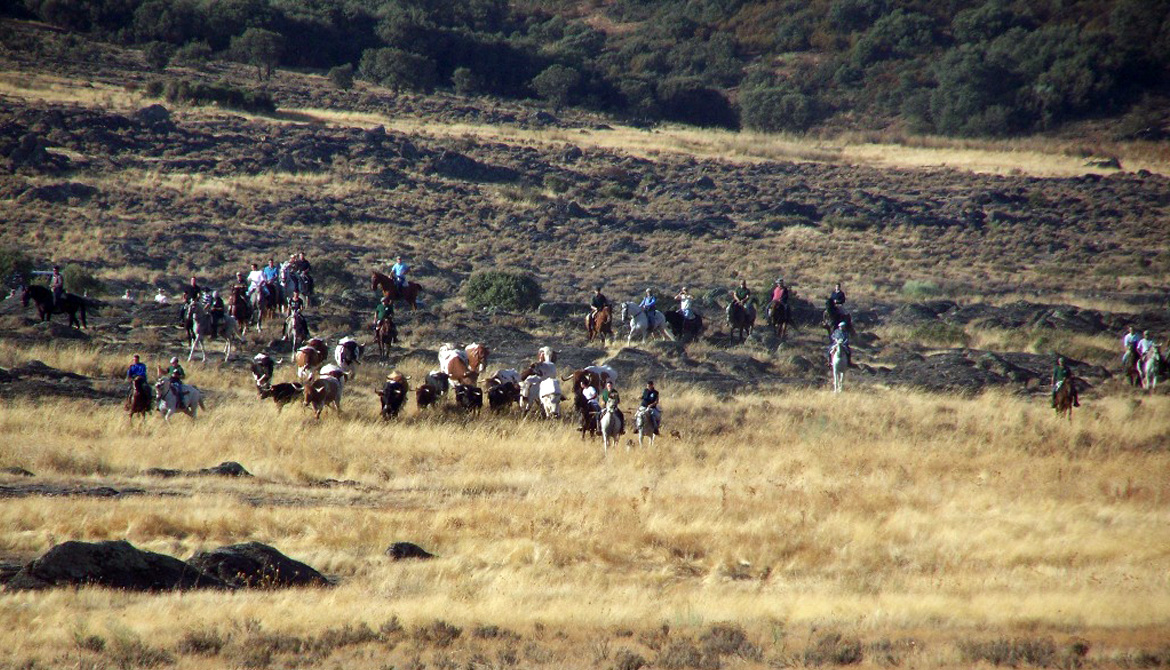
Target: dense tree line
959	67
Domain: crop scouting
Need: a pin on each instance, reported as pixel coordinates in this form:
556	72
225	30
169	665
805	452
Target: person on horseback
742	295
271	272
840	338
255	279
612	400
384	309
598	302
192	291
650	404
1129	345
837	297
296	303
589	394
177	375
1061	375
136	373
57	286
398	272
216	310
780	293
685	299
649	305
1144	345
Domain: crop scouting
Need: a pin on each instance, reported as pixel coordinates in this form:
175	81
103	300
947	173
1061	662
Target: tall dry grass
875	512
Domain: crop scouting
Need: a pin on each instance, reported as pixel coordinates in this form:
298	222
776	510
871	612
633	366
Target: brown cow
314	353
322	392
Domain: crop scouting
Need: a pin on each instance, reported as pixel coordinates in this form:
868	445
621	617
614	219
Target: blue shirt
648	302
271	273
399	269
136	370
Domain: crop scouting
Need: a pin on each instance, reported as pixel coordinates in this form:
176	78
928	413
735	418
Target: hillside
963	68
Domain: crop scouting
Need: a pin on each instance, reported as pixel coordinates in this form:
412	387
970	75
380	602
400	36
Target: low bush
221	94
80	281
833	649
502	290
1010	652
342	76
15	266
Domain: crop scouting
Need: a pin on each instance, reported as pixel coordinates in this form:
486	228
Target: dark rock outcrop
256	565
400	551
115	564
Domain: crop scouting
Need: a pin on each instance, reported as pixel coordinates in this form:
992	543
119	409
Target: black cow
281	394
393	396
501	396
469	397
262	366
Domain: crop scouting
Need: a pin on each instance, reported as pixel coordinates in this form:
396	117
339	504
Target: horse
390	289
600	325
833	316
168	402
610	426
1151	369
264	305
1062	400
386	335
837	366
683	328
740	318
463	365
647	421
642	324
71	304
239	309
779	317
296	328
139	400
589	416
1132	363
201	330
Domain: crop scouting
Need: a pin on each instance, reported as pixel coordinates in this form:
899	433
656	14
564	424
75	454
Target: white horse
837	366
641	324
201	328
609	425
1151	368
168	400
647	421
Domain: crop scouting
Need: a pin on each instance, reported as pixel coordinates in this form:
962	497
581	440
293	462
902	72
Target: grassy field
924	530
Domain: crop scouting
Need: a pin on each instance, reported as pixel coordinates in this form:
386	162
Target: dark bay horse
780	317
390	289
139	400
239	308
833	315
683	328
740	318
73	305
1062	400
386	334
600	325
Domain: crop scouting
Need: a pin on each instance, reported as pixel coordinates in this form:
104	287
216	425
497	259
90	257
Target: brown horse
600	325
239	308
1062	400
139	400
390	289
779	317
463	367
386	334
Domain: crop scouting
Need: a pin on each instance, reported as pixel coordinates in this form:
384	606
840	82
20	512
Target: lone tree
259	47
555	83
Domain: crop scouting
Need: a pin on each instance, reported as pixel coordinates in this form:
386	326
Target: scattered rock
400	551
226	469
115	564
455	165
1111	163
59	193
153	115
256	565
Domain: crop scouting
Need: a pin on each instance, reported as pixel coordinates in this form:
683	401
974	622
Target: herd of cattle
321	380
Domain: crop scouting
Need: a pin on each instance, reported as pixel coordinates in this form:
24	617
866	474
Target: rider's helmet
841	325
174	359
647	291
215	294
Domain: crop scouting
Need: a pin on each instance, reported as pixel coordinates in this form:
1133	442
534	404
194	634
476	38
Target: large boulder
256	565
115	564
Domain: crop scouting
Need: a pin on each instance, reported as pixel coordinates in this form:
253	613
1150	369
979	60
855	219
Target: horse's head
625	311
25	294
373	280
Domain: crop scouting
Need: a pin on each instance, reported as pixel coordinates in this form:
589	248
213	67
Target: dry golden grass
886	515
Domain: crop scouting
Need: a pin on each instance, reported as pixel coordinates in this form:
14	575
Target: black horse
833	315
780	317
71	304
741	318
683	328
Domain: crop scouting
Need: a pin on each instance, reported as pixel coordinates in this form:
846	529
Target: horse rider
1061	375
383	311
650	404
589	394
136	372
840	337
177	375
685	299
598	302
742	295
216	310
1129	345
57	286
295	303
1144	345
649	305
611	400
255	279
271	274
837	297
780	293
192	291
398	272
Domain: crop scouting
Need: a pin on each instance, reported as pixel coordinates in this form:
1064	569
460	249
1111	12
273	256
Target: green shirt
176	370
382	311
1061	373
606	394
742	293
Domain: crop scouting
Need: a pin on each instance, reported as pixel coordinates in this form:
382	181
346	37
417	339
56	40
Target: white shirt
1144	345
160	298
589	393
255	279
1130	339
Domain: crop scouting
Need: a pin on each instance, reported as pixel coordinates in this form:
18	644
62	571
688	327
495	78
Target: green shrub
555	84
776	109
330	275
502	290
915	289
1021	651
398	69
464	81
193	54
222	94
833	649
15	266
342	76
158	55
80	281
